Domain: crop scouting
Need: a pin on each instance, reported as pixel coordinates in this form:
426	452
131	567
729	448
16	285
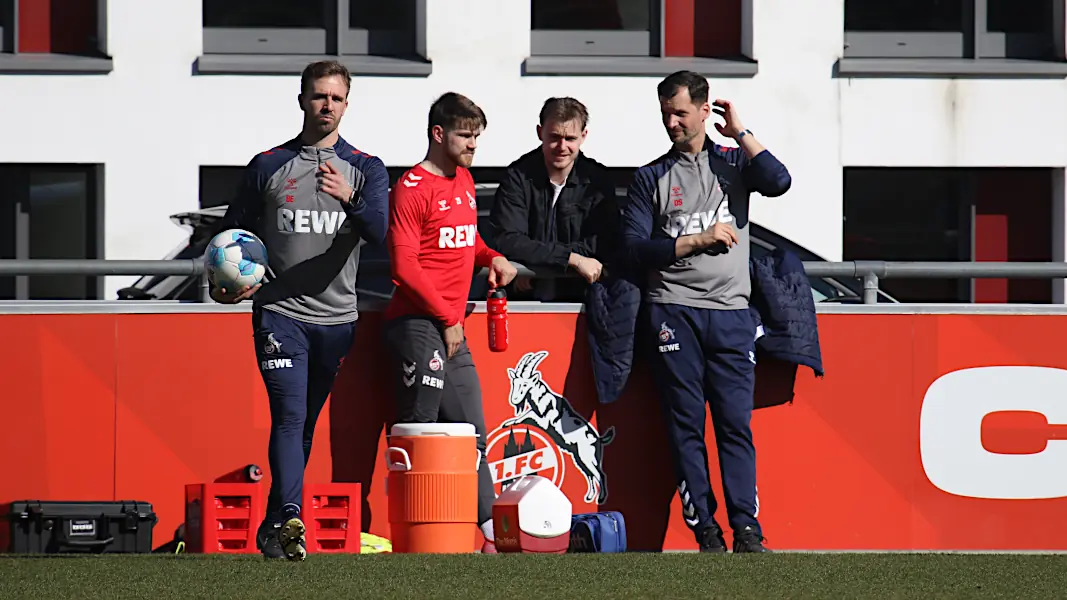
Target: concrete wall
153	123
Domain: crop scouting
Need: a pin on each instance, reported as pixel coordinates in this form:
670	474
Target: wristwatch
743	134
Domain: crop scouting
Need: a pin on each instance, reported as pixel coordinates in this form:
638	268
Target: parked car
374	280
823	289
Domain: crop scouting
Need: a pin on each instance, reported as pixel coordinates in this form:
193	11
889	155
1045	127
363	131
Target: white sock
487	530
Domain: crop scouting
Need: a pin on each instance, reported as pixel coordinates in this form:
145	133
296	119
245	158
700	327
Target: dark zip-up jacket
525	226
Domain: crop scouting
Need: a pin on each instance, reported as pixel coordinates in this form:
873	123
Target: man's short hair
324	68
694	83
562	110
454	111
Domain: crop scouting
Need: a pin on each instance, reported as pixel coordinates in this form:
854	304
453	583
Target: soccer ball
235	258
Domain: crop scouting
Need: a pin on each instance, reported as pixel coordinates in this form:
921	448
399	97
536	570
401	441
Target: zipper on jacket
703	183
693	164
318	169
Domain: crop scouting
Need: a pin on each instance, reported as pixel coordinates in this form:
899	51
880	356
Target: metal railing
873	271
870	271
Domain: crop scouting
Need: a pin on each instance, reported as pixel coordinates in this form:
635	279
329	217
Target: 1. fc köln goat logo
544	430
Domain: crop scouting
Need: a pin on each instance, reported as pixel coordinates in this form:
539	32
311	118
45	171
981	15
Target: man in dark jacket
555	209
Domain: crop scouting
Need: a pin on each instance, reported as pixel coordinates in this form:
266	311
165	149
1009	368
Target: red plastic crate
222	517
332	514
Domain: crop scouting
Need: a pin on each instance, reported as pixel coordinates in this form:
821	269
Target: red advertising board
930	431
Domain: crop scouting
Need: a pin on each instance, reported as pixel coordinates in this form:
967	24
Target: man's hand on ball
333	183
222	296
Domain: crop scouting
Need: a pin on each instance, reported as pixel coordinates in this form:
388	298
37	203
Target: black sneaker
749	539
711	539
267	541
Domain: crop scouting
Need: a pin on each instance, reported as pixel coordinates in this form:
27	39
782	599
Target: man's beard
684	136
462	159
322	128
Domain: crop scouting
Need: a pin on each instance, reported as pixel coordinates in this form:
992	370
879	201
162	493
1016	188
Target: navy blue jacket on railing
781	302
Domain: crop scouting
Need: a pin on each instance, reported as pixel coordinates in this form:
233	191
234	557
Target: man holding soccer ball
310	200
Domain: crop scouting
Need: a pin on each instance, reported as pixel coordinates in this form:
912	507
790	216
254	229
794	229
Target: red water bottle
496	306
246	474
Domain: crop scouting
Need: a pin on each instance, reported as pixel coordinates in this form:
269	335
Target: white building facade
173	89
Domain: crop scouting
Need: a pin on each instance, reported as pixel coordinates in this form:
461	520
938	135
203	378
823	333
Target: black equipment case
72	527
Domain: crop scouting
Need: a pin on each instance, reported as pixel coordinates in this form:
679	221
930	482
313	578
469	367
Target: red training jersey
434	244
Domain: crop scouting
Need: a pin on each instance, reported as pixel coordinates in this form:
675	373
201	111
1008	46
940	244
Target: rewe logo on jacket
544	429
313	221
698	222
461	236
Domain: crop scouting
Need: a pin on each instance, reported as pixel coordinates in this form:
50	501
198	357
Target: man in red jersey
434	247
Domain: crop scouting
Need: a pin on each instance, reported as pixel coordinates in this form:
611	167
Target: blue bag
598	532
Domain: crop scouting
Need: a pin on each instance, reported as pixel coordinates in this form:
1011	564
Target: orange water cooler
432	487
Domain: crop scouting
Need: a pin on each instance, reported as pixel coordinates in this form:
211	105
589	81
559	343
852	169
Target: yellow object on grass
373	544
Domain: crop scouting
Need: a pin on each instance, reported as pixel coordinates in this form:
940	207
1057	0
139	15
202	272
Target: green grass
578	577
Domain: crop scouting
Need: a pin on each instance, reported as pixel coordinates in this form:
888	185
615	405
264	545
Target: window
1013	33
50	212
54	35
7	26
291	33
952	29
379	27
218	185
612	37
271	27
928	223
594	27
951	214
